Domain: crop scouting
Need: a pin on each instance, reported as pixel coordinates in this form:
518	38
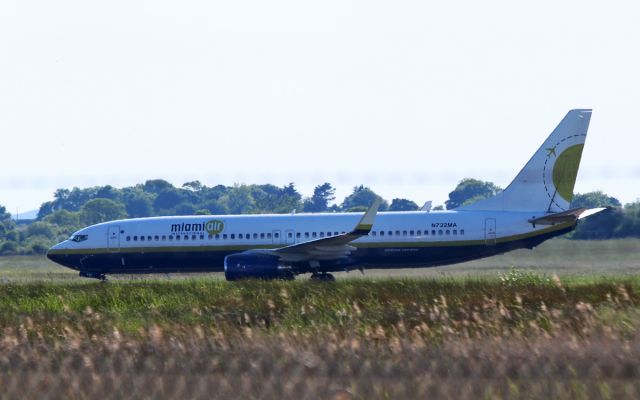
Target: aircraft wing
565	216
332	247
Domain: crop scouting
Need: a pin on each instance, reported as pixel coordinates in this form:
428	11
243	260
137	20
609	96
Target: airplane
533	208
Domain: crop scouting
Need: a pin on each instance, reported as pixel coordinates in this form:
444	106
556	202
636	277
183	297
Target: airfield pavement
562	324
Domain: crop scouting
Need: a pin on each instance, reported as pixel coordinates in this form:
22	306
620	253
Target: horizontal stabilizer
565	216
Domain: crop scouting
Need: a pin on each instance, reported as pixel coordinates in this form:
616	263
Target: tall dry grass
532	338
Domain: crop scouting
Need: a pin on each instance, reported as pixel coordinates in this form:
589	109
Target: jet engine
254	265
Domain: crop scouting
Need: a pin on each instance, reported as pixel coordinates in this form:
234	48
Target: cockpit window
79	238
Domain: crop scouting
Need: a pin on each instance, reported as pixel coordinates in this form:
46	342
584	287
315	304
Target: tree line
74	208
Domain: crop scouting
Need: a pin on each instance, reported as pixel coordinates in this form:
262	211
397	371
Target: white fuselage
396	239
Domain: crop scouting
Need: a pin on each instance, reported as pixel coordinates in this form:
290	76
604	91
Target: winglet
365	224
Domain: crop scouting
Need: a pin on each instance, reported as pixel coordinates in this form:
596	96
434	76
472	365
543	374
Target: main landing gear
95	275
322	277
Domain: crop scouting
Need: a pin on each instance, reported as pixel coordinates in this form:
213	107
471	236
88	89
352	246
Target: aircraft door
290	236
113	241
490	231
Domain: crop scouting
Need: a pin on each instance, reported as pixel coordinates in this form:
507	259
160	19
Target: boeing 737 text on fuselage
533	208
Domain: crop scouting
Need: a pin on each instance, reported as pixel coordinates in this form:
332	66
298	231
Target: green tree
185	208
319	201
108	192
604	225
630	226
215	207
469	191
156	186
4	215
593	200
137	202
6	223
8	248
72	200
272	199
63	218
195	186
238	200
101	210
360	199
402	205
40	228
167	200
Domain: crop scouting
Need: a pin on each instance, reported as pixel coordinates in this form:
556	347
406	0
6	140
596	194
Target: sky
405	97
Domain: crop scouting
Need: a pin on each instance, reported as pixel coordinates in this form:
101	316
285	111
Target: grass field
474	330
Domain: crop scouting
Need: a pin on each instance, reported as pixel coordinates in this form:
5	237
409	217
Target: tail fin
546	182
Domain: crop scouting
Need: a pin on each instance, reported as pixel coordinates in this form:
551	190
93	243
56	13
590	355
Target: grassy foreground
523	335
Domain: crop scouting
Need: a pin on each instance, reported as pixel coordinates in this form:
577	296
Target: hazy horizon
407	98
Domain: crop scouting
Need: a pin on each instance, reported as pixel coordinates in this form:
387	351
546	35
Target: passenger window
149	238
128	238
335	233
289	235
142	238
239	236
186	237
276	235
373	233
381	233
248	236
397	233
201	237
411	233
390	233
217	236
433	231
404	233
306	234
255	235
170	237
177	237
440	232
298	235
210	237
448	232
233	236
224	236
321	234
268	236
313	234
462	231
328	234
455	231
135	238
262	236
156	238
164	237
418	232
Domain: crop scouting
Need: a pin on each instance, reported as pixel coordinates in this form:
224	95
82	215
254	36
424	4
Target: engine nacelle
254	265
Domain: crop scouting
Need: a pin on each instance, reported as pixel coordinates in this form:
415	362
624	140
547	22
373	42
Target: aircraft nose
54	254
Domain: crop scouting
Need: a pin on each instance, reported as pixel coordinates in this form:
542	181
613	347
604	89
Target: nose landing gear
95	275
322	277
